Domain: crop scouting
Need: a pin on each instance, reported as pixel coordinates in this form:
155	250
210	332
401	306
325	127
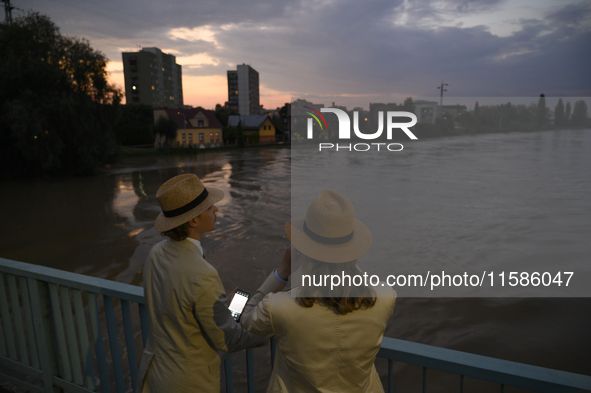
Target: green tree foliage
559	114
229	135
567	111
445	125
541	112
239	135
579	118
499	118
167	127
58	108
134	124
222	113
408	105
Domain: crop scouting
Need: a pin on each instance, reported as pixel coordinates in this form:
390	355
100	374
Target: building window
201	137
210	137
217	136
199	123
184	140
191	138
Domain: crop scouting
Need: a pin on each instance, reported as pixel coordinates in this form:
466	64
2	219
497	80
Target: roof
249	122
189	114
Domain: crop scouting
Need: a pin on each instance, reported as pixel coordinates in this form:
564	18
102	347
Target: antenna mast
441	93
7	11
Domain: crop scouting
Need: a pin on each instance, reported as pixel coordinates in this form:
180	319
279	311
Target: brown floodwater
102	226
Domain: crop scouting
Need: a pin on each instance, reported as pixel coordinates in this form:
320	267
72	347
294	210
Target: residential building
196	126
243	90
374	114
426	111
255	127
153	78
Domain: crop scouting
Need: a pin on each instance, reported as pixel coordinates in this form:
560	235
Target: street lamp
185	125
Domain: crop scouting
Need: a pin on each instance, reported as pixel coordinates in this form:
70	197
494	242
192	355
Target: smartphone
237	305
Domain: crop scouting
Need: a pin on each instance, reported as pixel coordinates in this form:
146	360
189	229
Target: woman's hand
284	269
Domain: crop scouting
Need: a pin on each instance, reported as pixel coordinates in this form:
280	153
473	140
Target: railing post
42	320
228	373
390	376
250	369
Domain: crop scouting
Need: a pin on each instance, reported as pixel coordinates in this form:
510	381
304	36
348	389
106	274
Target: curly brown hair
179	233
347	298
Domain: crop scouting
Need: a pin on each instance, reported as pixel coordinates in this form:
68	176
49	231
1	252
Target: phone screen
237	305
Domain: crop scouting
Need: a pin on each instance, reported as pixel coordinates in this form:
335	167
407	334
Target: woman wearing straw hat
327	339
185	299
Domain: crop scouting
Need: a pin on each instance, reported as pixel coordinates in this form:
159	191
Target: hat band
183	209
333	241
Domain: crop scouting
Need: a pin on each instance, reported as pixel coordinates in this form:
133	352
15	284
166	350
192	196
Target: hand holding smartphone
238	303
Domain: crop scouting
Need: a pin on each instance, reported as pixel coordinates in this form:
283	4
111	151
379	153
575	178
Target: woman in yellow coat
327	338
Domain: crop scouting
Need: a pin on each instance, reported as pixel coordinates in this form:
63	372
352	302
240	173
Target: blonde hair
346	298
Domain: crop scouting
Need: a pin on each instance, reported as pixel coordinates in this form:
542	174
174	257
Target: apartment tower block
243	90
152	78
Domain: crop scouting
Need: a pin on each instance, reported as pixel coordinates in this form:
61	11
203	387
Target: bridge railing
62	331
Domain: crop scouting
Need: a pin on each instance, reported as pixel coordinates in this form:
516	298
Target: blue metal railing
52	339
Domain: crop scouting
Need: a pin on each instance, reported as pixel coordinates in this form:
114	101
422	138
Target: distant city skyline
348	51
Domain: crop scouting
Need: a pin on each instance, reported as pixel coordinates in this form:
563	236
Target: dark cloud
377	47
572	15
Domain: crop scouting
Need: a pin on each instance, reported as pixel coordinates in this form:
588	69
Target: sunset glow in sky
358	52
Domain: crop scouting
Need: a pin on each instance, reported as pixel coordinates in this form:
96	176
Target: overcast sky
351	51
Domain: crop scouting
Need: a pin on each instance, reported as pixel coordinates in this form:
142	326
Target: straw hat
182	198
329	232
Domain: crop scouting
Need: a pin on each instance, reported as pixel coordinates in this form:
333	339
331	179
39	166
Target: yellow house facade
260	125
196	127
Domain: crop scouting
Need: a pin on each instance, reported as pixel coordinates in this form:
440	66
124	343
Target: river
102	226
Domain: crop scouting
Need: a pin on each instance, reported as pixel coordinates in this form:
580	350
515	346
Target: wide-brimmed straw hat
329	232
182	198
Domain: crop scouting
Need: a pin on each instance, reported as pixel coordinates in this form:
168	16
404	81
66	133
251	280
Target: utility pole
7	11
441	93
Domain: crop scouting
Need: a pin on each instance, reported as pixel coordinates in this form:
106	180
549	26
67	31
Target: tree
166	127
559	114
408	105
229	135
134	124
58	108
567	113
476	109
222	113
579	118
240	135
541	111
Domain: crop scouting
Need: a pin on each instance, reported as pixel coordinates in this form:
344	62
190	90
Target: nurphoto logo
392	123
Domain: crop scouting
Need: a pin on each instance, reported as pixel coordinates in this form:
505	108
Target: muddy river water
102	226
